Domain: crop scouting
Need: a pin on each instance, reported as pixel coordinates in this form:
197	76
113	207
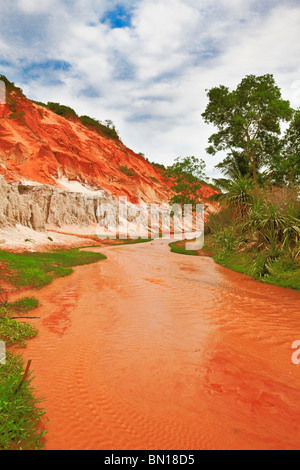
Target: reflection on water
154	350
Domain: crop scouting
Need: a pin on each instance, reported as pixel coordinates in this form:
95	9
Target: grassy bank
133	242
257	232
179	248
36	270
283	271
21	418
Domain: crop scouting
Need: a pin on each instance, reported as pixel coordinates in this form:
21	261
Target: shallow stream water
154	350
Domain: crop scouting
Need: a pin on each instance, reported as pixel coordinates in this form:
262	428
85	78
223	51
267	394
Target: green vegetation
13	332
256	230
61	110
135	242
248	121
11	99
127	241
10	86
259	235
17	115
108	128
127	171
187	178
23	305
154	179
39	103
21	418
285	165
179	248
36	270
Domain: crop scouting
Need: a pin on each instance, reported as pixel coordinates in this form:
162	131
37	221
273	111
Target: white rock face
40	207
37	207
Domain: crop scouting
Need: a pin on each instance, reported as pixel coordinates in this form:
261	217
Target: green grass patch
134	242
21	420
125	241
36	270
23	305
179	247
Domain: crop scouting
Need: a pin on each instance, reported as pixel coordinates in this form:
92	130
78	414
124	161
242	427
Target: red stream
153	350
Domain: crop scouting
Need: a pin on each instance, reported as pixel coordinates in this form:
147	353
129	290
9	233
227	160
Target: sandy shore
20	239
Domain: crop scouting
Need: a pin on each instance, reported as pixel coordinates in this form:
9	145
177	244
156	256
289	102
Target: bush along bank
257	232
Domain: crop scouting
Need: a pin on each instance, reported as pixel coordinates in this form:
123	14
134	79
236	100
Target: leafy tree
248	120
285	165
187	176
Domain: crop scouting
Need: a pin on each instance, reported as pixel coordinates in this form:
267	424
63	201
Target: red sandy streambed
154	350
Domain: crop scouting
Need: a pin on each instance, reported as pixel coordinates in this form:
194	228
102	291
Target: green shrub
107	130
219	220
10	86
13	332
272	224
265	242
39	103
154	179
16	115
61	110
127	171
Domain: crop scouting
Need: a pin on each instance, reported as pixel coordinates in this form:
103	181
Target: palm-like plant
237	194
271	225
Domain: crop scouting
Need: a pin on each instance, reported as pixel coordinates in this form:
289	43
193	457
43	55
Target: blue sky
146	64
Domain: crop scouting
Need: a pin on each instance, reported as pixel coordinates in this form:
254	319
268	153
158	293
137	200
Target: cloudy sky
145	64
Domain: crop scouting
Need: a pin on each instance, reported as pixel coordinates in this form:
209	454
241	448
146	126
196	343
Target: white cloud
150	76
35	6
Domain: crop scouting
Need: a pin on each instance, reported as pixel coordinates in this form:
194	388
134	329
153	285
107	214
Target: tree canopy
285	164
187	175
248	120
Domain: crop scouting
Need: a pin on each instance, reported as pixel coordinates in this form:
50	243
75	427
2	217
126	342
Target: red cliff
39	146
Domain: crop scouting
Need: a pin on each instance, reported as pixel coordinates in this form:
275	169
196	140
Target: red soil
38	145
